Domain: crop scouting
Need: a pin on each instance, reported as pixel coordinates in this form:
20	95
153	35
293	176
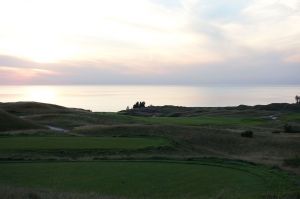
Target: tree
136	105
139	105
142	104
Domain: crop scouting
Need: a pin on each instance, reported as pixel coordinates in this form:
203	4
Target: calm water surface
115	98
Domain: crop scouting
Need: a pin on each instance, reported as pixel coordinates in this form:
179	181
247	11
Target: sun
40	94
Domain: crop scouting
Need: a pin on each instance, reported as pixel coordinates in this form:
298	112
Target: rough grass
145	179
28	108
204	141
57	142
71	120
9	122
48	114
293	162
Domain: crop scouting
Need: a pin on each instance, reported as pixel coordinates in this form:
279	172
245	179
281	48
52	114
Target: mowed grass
188	121
143	179
202	120
291	117
59	142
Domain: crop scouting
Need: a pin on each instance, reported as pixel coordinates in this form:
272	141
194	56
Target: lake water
115	98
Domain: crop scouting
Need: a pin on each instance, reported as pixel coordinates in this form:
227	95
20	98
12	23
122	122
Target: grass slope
10	122
206	141
28	108
48	114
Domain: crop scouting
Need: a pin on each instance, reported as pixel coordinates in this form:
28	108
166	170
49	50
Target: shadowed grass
49	143
9	122
9	192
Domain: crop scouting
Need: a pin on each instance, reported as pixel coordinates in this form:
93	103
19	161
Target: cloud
267	26
294	58
6	60
135	30
13	75
249	69
150	41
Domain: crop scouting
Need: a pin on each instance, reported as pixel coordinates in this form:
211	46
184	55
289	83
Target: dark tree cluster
139	105
297	98
247	134
288	128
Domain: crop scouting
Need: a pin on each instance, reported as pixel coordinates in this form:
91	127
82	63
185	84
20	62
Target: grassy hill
29	108
9	122
179	111
152	152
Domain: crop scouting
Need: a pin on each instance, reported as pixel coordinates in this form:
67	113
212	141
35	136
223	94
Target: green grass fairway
144	179
193	121
291	117
50	143
202	120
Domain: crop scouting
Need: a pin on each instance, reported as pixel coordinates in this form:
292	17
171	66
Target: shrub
291	128
293	162
175	115
248	134
276	132
288	128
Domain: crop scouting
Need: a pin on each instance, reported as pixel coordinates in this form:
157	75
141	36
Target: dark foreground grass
145	179
9	192
59	142
293	162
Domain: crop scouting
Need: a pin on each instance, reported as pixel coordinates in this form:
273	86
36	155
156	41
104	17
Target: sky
149	42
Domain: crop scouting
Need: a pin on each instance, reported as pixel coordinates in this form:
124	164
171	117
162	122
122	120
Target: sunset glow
40	94
121	40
